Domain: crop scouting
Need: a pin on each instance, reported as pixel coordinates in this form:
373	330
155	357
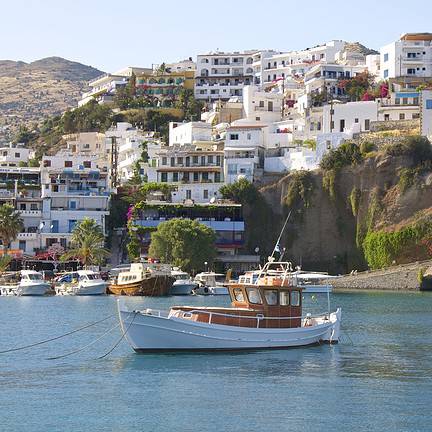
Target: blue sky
110	34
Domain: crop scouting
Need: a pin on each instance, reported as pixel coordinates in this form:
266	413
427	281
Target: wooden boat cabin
271	301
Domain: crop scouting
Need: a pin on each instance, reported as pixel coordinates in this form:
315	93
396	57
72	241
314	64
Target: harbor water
378	378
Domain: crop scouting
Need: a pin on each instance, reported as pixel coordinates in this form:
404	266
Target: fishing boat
143	279
24	283
208	284
183	283
266	314
80	283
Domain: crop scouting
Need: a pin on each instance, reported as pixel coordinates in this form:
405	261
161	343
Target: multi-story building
408	57
73	187
88	144
244	151
221	75
15	154
195	169
187	133
263	106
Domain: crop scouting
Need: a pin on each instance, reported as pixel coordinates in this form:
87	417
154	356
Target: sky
110	35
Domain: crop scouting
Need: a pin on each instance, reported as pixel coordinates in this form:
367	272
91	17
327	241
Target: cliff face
326	231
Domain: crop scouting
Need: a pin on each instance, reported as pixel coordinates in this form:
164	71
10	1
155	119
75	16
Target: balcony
31	213
27	236
225	225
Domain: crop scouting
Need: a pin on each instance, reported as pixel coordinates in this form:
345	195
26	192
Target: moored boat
143	279
24	283
183	283
80	283
208	284
263	315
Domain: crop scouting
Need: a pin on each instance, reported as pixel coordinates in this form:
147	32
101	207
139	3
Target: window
188	194
342	125
195	160
17	155
22	206
68	164
175	177
205	176
210	159
234	137
367	124
33	206
284	298
386	117
295	298
397	101
411	71
205	194
164	160
164	177
405	101
172	161
22	245
261	104
249	136
238	295
401	116
416	115
428	103
203	161
72	205
217	177
386	73
386	57
411	55
415	101
196	176
87	164
271	297
254	295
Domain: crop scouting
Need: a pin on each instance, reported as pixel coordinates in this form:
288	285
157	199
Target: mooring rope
56	337
120	339
85	346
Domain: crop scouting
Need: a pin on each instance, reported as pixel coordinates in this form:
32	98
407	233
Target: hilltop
31	92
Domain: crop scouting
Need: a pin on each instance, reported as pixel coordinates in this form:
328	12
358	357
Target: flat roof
416	36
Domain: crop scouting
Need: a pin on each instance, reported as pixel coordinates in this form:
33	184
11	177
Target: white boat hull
210	290
150	330
182	288
317	289
82	290
37	289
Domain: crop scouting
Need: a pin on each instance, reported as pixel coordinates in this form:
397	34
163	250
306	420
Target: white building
263	106
73	187
187	133
244	151
221	75
15	154
426	113
88	144
289	159
410	56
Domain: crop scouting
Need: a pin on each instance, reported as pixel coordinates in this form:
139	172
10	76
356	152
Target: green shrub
300	189
354	199
407	178
417	147
346	154
366	147
328	183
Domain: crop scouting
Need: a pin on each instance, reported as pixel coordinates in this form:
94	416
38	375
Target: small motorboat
80	283
314	282
208	284
183	283
24	283
265	314
142	279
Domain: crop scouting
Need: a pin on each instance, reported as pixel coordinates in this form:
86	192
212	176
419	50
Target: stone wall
398	278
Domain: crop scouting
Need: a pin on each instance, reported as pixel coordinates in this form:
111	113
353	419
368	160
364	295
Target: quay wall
398	278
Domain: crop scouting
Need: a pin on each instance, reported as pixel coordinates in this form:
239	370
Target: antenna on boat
277	247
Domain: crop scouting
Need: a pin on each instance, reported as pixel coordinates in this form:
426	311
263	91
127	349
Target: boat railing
257	317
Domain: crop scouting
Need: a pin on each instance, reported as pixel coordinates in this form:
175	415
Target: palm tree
10	225
87	243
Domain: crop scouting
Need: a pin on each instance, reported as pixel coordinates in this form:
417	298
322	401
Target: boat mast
277	247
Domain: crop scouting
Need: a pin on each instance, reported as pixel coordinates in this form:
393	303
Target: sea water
378	378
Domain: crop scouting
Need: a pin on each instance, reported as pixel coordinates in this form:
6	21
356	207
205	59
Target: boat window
295	298
284	298
254	295
238	295
34	276
271	297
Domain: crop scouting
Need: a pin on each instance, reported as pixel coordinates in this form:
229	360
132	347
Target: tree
357	86
10	225
184	243
242	191
87	243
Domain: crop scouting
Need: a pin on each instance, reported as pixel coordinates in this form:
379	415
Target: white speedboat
314	282
82	283
264	315
209	285
24	283
183	283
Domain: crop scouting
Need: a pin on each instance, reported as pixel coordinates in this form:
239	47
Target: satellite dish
212	200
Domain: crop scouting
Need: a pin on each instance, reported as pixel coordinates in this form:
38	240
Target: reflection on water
379	377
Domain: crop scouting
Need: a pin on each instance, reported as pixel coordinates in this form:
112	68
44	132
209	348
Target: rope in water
120	339
85	346
56	337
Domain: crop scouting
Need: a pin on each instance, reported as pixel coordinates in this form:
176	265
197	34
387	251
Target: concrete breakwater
404	277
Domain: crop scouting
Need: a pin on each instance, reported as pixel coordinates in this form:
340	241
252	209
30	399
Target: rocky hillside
30	92
373	213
